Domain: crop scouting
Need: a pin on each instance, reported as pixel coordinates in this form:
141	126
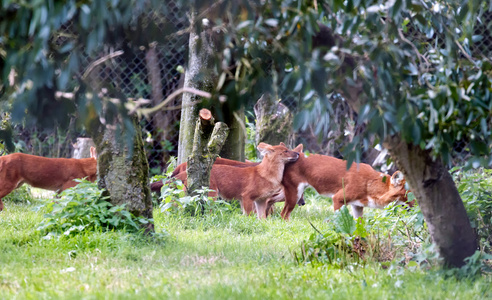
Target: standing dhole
360	186
56	174
253	186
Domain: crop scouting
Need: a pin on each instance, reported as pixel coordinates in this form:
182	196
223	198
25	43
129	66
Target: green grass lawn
217	256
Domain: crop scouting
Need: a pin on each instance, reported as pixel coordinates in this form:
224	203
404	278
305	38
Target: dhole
180	173
253	186
56	174
361	186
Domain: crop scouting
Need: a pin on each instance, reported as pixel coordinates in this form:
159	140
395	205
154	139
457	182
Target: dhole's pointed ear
397	179
264	148
93	152
299	148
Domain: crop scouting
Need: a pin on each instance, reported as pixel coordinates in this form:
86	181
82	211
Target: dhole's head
278	153
397	191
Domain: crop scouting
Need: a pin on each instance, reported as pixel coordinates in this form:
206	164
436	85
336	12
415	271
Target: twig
148	111
93	64
465	53
419	56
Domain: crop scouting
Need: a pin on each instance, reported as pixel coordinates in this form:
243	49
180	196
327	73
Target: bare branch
93	64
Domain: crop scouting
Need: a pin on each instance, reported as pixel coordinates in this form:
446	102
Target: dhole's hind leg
68	185
261	209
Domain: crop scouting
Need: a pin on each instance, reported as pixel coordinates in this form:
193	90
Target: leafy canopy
407	67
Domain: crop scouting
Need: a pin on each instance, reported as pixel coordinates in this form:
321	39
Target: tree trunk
208	141
163	121
273	122
199	75
439	200
124	178
81	149
236	140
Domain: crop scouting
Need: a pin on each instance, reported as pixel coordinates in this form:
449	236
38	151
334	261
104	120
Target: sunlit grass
227	256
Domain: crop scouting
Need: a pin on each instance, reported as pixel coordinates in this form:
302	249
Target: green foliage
19	195
84	208
475	188
344	222
174	199
338	247
250	147
385	235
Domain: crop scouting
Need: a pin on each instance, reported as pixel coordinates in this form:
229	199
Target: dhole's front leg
247	205
6	189
290	202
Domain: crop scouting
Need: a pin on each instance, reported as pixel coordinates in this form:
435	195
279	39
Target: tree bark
273	122
439	200
236	140
198	75
81	149
208	141
124	178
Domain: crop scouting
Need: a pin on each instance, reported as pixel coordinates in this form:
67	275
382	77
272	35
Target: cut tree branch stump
208	141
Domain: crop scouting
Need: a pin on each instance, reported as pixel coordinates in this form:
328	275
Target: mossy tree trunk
273	122
199	75
124	177
236	140
209	138
439	200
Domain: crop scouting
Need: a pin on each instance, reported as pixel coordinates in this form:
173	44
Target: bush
340	247
84	208
174	199
391	234
475	188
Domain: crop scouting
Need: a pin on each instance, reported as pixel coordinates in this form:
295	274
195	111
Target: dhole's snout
294	156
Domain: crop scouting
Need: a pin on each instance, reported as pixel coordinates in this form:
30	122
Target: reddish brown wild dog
253	186
360	186
180	171
56	174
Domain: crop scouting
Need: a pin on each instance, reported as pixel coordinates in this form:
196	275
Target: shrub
174	199
84	208
475	188
339	247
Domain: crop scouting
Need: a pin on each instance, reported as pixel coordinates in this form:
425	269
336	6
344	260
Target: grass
218	256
